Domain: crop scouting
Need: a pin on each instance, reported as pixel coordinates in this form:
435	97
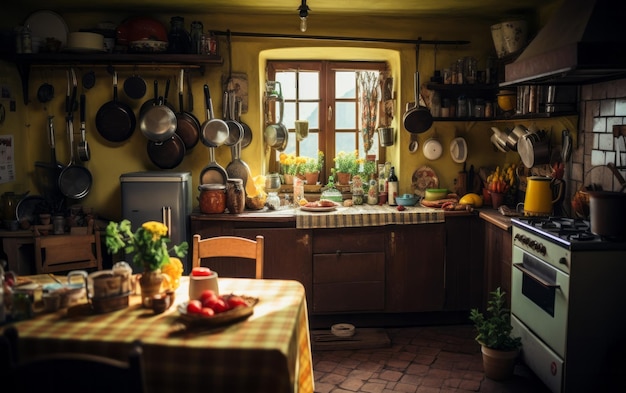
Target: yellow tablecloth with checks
367	215
269	352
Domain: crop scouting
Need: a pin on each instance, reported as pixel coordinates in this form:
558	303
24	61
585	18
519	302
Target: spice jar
212	198
235	196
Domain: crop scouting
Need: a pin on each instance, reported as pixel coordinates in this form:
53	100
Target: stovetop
574	234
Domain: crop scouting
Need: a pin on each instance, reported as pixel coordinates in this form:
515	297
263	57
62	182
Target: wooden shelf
25	62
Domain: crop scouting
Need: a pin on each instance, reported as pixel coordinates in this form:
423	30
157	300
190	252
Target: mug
159	302
197	284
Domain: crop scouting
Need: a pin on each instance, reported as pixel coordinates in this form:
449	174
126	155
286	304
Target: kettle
539	198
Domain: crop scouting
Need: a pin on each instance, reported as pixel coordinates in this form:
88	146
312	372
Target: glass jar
178	38
273	201
212	198
235	196
196	37
461	107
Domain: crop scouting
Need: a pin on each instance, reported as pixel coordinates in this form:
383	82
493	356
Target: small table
269	352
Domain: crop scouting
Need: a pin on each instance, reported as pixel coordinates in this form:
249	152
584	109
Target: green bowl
433	194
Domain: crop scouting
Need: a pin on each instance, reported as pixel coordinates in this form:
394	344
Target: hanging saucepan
45	93
214	131
115	120
188	128
213	173
158	123
534	150
167	154
247	131
417	119
276	135
135	87
155	99
235	130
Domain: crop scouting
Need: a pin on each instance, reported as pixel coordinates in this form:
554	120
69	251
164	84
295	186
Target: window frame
326	131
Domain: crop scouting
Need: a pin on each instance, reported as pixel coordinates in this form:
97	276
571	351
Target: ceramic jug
539	198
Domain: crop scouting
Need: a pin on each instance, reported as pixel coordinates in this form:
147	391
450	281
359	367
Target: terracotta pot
498	365
288	178
343	178
312	177
150	285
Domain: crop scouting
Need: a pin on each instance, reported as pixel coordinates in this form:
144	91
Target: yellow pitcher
539	197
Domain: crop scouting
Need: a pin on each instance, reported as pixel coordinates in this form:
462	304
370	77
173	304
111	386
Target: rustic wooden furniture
55	253
229	246
69	372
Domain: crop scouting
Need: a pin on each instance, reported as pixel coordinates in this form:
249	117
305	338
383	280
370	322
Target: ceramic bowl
433	194
406	200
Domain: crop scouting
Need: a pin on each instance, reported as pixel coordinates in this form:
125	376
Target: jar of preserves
235	196
273	201
212	198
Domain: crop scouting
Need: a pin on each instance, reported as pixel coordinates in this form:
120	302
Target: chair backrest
69	372
228	246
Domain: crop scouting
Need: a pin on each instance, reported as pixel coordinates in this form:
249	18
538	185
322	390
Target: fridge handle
166	212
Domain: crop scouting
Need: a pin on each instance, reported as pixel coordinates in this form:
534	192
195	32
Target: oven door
539	298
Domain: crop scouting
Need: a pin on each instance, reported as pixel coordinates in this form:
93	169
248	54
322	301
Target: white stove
566	301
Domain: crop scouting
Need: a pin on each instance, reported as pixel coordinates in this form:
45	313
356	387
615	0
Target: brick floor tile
352	384
389	375
373	387
405	388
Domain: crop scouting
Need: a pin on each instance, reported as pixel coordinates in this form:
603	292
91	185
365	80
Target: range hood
584	42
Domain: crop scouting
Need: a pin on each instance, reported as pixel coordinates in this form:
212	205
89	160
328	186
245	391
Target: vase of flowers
311	168
150	245
347	165
290	166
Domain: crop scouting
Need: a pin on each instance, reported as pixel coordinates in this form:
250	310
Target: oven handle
538	279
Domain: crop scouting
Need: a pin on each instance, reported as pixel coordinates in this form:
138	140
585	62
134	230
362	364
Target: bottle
196	37
392	187
372	192
178	38
27	40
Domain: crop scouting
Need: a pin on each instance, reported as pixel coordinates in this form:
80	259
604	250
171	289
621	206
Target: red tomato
236	301
194	307
207	312
218	305
201	271
207	295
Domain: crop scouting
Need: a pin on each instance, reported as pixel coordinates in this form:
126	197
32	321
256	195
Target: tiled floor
431	359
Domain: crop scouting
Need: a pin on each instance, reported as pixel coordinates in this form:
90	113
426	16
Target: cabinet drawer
357	240
348	267
349	297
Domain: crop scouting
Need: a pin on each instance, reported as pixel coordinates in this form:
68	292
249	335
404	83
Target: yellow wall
28	123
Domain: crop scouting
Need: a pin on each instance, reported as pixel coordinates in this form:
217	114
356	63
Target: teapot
540	198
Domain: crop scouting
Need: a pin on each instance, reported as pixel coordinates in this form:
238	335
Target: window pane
309	86
373	149
345	141
310	145
345	84
345	118
310	111
287	80
289	118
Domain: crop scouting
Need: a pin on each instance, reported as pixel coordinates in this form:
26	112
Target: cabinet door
415	268
498	256
464	262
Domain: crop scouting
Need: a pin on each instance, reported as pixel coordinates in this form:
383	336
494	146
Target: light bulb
303	24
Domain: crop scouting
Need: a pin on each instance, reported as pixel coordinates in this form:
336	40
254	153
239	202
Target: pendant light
304	13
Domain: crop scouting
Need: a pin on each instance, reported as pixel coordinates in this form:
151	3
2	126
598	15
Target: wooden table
269	352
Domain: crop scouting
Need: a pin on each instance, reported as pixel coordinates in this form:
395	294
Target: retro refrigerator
159	196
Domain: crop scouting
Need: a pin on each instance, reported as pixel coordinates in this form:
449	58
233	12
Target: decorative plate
318	209
424	177
224	318
47	24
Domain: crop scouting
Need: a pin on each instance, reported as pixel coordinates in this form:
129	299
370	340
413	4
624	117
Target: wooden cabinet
348	270
464	262
498	257
415	268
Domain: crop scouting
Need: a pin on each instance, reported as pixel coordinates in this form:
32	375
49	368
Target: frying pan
75	180
237	169
235	130
47	173
418	118
158	123
115	120
214	131
135	87
247	131
83	148
188	128
214	172
45	93
155	100
167	154
276	135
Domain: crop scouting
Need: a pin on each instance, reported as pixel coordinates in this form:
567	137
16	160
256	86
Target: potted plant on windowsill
311	168
347	165
498	347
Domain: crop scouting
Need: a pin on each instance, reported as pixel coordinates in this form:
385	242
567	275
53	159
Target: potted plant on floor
498	347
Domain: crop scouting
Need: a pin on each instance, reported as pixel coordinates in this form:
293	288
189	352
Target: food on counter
201	271
401	208
210	303
501	180
320	203
438	203
471	199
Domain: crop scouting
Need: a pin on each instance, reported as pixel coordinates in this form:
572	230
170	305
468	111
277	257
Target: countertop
494	217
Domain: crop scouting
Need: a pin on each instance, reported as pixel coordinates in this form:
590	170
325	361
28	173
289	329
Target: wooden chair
68	372
228	246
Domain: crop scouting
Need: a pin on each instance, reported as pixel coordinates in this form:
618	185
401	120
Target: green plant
149	243
348	162
494	330
311	165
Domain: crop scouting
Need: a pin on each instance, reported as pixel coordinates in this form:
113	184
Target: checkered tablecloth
269	352
367	215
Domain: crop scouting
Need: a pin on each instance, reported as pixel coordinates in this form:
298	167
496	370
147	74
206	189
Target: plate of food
323	205
217	311
423	178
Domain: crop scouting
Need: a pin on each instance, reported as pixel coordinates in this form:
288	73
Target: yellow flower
174	270
157	229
